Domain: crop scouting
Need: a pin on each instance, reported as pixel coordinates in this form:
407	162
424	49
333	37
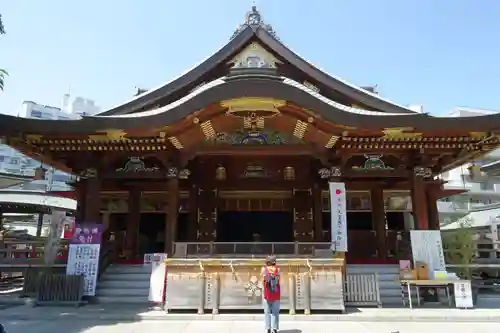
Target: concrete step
128	269
366	269
122	292
124	300
124	284
125	277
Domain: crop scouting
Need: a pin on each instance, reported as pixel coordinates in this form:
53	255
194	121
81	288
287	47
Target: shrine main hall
236	156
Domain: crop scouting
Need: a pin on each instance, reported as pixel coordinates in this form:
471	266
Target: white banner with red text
338	209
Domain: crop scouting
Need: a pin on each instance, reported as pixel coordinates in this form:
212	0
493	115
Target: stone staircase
390	290
124	284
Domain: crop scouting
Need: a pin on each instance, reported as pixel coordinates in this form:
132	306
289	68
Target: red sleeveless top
272	288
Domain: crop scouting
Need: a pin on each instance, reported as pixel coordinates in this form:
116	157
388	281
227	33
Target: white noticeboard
83	259
463	294
338	209
149	258
157	282
427	247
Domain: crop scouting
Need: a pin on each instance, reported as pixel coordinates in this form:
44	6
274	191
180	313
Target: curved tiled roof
260	87
246	34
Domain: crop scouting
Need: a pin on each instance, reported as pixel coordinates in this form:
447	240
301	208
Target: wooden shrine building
241	148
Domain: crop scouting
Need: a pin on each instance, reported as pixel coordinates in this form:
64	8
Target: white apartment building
11	161
481	189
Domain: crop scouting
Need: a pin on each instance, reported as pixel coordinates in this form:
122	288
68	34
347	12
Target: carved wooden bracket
326	173
89	173
423	172
173	172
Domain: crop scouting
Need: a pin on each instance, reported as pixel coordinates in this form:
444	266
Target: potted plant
460	250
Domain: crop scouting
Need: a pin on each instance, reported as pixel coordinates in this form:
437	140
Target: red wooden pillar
378	221
91	197
419	199
80	189
172	214
432	209
133	218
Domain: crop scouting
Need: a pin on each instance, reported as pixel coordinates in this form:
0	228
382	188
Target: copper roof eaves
260	87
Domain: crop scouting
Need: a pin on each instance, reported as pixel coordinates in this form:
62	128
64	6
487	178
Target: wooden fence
32	275
362	290
59	289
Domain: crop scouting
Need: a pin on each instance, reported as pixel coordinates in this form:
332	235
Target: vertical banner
338	209
83	257
157	280
57	219
427	247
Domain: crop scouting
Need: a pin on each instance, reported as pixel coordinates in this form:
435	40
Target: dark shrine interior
237	226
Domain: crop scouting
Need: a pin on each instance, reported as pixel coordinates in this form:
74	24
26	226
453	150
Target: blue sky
439	53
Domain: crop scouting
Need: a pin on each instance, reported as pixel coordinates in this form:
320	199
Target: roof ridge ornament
253	18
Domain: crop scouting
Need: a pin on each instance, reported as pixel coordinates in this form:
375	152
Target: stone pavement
118	313
198	326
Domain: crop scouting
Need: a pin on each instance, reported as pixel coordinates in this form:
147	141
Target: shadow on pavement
27	319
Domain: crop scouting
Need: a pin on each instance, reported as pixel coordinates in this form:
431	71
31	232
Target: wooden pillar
92	198
378	221
172	214
432	210
207	215
81	187
318	213
193	213
418	198
303	215
133	218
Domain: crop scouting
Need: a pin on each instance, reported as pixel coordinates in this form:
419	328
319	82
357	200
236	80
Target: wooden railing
20	251
186	249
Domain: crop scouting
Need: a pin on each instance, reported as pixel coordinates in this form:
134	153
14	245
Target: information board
427	247
83	255
463	294
83	259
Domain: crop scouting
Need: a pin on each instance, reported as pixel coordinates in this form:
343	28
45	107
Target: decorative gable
254	56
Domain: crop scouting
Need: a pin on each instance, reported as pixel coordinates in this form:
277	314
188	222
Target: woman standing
272	294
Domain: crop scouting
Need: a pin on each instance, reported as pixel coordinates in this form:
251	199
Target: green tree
2	28
3	72
459	247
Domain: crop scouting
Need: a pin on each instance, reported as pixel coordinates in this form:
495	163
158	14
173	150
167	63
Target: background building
11	161
481	190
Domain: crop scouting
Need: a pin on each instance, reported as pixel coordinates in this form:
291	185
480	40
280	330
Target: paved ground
69	326
119	314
